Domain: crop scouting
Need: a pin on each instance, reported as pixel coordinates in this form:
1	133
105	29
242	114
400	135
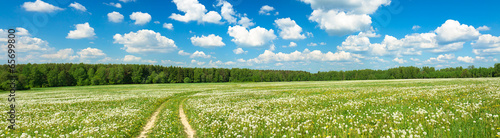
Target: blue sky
310	35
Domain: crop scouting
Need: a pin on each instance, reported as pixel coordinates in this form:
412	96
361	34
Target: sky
309	35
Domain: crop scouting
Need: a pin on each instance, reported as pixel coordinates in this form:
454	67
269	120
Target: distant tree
187	80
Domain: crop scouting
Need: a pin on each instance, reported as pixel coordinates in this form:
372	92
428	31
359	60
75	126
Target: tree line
69	74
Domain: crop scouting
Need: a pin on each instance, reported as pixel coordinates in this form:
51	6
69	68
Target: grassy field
379	108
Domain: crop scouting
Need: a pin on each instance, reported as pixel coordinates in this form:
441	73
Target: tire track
151	121
187	128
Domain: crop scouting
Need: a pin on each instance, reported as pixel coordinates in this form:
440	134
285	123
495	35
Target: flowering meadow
386	108
375	108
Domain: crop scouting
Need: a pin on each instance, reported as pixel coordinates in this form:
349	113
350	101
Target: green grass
395	108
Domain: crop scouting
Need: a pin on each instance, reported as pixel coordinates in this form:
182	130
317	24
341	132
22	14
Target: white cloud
117	5
312	44
218	62
486	45
168	26
357	7
415	59
63	54
359	42
483	28
264	10
340	23
182	53
246	22
227	11
131	58
145	41
115	17
255	37
170	62
240	60
238	51
200	54
90	53
289	29
440	58
453	31
292	44
322	43
449	47
40	6
272	47
140	18
82	31
306	55
415	27
207	41
398	60
156	22
199	63
343	17
125	1
465	59
24	41
78	6
194	11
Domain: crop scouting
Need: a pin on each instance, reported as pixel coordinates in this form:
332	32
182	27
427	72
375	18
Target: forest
68	74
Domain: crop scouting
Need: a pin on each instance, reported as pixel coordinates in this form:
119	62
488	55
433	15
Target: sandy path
189	131
151	121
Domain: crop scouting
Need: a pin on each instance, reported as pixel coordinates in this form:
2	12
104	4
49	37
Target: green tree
187	80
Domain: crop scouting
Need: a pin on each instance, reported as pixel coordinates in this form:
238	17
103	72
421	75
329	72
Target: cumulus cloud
238	51
140	18
145	41
246	22
200	54
292	44
340	23
131	58
306	55
199	63
289	29
168	26
61	54
398	60
25	42
255	37
82	31
90	53
115	17
465	59
440	58
227	11
312	44
486	45
125	1
182	53
453	31
357	7
117	5
264	10
415	27
78	6
170	62
483	28
40	6
360	42
343	17
194	11
207	41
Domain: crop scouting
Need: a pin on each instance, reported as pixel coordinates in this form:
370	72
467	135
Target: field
375	108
